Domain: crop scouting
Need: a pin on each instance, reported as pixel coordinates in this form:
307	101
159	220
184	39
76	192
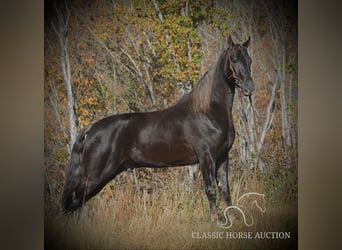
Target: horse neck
223	89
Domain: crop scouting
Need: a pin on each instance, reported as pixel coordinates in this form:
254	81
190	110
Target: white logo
255	197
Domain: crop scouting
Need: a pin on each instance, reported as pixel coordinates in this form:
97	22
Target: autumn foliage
131	56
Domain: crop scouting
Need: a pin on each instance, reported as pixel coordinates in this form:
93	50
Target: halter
234	75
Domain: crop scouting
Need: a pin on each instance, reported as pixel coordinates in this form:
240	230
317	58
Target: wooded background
110	57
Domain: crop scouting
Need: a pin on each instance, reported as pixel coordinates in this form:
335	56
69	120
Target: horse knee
211	192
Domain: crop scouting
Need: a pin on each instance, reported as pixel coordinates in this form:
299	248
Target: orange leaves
92	100
89	60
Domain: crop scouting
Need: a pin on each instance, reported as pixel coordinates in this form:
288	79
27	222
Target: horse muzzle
248	87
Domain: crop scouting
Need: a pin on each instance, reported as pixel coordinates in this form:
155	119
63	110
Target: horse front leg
222	181
207	165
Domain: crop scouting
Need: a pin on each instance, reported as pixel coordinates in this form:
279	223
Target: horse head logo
245	204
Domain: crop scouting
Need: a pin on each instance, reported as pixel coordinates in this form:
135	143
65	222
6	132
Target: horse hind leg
207	166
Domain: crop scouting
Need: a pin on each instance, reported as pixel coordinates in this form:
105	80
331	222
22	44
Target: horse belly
160	139
163	154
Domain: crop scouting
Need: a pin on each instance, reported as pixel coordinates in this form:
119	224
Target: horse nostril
248	88
251	86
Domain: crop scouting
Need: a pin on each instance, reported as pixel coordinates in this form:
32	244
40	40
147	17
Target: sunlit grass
124	216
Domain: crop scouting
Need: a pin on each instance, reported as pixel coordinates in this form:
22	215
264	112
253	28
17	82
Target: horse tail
74	172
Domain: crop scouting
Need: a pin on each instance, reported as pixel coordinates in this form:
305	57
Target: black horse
197	129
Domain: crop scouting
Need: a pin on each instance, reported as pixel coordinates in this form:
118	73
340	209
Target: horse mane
200	96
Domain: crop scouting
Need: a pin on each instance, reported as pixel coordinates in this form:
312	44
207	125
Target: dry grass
129	217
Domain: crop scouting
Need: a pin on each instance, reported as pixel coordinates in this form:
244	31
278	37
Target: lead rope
244	115
231	65
246	119
254	115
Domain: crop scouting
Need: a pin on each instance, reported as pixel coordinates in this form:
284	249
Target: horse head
239	67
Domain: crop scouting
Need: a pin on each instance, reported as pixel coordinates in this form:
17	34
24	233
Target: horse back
170	137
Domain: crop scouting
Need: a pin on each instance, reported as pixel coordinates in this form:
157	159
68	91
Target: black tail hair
73	176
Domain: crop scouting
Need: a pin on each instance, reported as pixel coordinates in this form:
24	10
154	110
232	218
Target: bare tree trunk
61	31
53	97
283	102
269	116
276	20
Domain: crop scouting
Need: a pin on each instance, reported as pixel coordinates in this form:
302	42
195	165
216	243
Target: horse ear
246	44
230	42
